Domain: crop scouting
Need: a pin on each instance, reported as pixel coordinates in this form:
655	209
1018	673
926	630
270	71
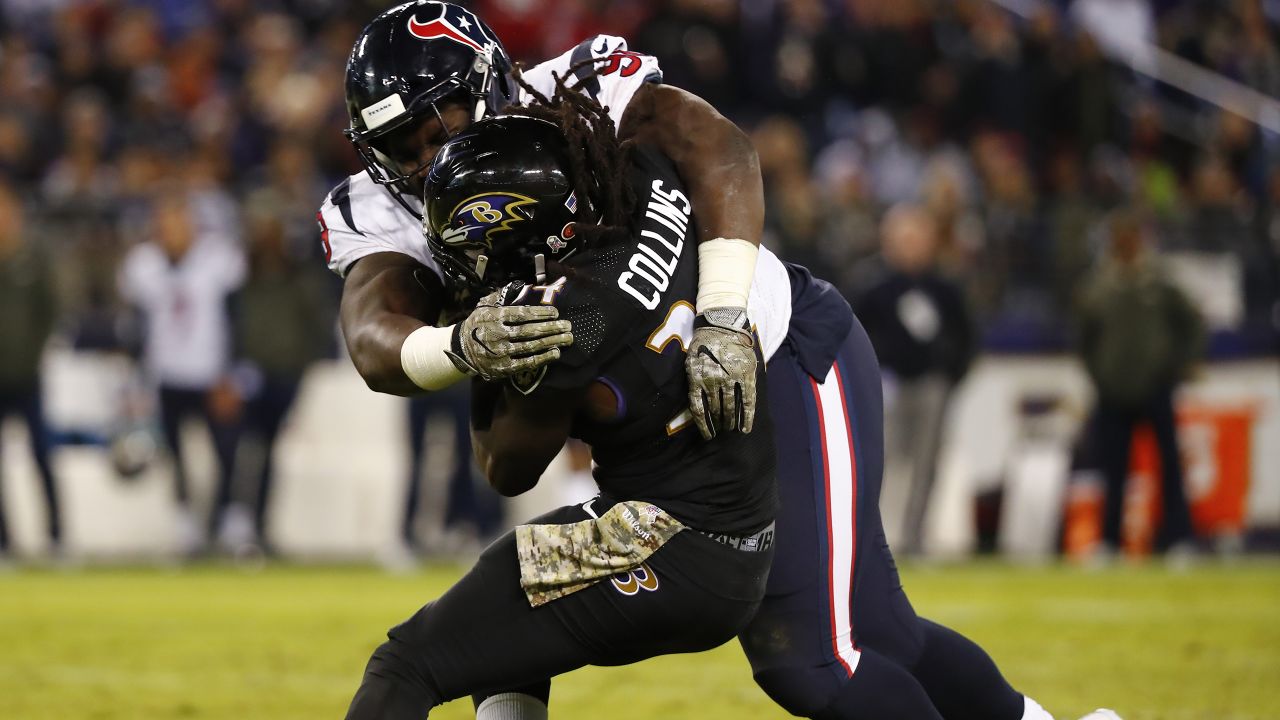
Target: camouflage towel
556	560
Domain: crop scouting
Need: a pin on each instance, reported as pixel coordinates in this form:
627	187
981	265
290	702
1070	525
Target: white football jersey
360	217
620	73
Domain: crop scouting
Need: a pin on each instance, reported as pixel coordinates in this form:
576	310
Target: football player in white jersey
425	70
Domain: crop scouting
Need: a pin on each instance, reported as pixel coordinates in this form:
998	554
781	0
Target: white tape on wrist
726	267
424	360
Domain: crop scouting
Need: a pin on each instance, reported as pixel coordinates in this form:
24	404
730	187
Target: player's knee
392	687
394	662
801	691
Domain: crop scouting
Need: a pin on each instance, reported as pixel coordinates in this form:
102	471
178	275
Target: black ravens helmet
500	203
408	60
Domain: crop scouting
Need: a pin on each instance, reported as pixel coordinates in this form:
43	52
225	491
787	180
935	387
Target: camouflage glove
721	363
497	341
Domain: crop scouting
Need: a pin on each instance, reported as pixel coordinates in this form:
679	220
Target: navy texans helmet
500	203
410	59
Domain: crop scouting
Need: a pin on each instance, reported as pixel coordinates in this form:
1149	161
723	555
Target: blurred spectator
1013	264
27	313
101	103
792	209
1139	338
180	281
284	321
918	324
849	214
949	192
698	43
1070	214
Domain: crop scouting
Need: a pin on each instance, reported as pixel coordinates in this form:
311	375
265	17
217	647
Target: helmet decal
454	23
383	111
479	218
497	192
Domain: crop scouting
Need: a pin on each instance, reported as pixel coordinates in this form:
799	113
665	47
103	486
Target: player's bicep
386	296
395	283
713	156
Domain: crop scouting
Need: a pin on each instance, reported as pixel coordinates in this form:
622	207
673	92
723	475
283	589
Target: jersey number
626	61
678	327
549	292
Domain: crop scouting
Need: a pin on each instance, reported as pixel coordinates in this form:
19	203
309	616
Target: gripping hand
721	363
497	341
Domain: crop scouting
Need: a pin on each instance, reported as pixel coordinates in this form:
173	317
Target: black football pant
177	404
1115	427
264	417
482	636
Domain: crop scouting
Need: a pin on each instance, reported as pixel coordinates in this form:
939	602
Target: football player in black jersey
423	71
673	555
836	637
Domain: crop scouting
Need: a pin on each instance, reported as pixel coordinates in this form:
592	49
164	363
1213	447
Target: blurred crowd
142	134
1018	134
1015	133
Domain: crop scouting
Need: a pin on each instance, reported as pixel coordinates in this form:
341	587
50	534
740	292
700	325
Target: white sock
1031	710
511	706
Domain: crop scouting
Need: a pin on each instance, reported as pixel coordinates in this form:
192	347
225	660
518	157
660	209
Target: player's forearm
511	457
502	467
382	305
375	345
516	437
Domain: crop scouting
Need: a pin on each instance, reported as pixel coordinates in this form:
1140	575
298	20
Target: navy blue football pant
836	636
177	404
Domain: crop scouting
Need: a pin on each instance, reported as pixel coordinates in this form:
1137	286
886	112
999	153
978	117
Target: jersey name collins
658	252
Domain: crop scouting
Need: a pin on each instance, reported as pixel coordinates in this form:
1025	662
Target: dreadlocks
598	162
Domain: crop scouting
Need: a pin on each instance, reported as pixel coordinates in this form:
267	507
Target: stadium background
1010	122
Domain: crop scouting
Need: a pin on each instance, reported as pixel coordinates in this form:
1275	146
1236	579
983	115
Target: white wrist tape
726	267
424	360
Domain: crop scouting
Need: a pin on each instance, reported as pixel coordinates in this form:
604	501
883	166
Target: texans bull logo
451	23
480	218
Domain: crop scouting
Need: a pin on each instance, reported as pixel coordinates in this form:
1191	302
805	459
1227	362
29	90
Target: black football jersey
632	309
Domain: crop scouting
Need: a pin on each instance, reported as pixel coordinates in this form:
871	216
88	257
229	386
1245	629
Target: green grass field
219	643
